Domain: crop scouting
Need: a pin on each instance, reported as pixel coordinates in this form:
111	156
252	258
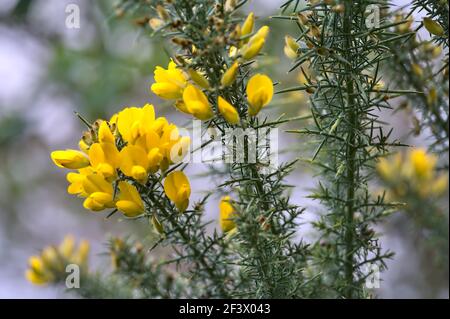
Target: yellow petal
177	189
228	111
197	103
226	214
247	27
104	134
70	159
230	75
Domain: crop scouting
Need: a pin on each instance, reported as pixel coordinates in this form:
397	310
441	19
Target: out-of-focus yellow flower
197	103
99	193
50	265
433	27
133	122
170	83
129	201
259	93
417	70
199	79
422	164
247	26
412	174
228	111
70	159
230	75
290	47
255	44
178	189
156	23
227	212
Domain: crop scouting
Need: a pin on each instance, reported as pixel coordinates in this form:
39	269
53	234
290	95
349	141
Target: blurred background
48	71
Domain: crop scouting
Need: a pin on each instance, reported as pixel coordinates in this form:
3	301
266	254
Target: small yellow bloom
230	75
100	193
178	189
76	181
135	163
228	111
104	159
252	49
66	248
227	212
129	201
433	27
133	122
169	83
197	103
422	163
247	27
198	78
70	159
259	93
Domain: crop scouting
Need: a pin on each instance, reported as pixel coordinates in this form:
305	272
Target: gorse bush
134	162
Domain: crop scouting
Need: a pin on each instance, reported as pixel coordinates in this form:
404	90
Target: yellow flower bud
255	44
70	159
252	49
169	83
259	93
247	27
433	27
178	189
228	111
197	103
230	75
199	79
417	70
227	212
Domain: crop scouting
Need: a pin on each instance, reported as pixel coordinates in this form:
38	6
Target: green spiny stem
352	116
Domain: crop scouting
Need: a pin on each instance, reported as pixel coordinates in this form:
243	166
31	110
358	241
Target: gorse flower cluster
50	266
186	87
412	174
117	156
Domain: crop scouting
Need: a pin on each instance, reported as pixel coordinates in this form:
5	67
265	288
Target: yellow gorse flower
413	173
99	193
197	103
129	201
70	159
227	212
50	265
170	82
255	44
230	75
247	26
228	111
178	189
259	93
